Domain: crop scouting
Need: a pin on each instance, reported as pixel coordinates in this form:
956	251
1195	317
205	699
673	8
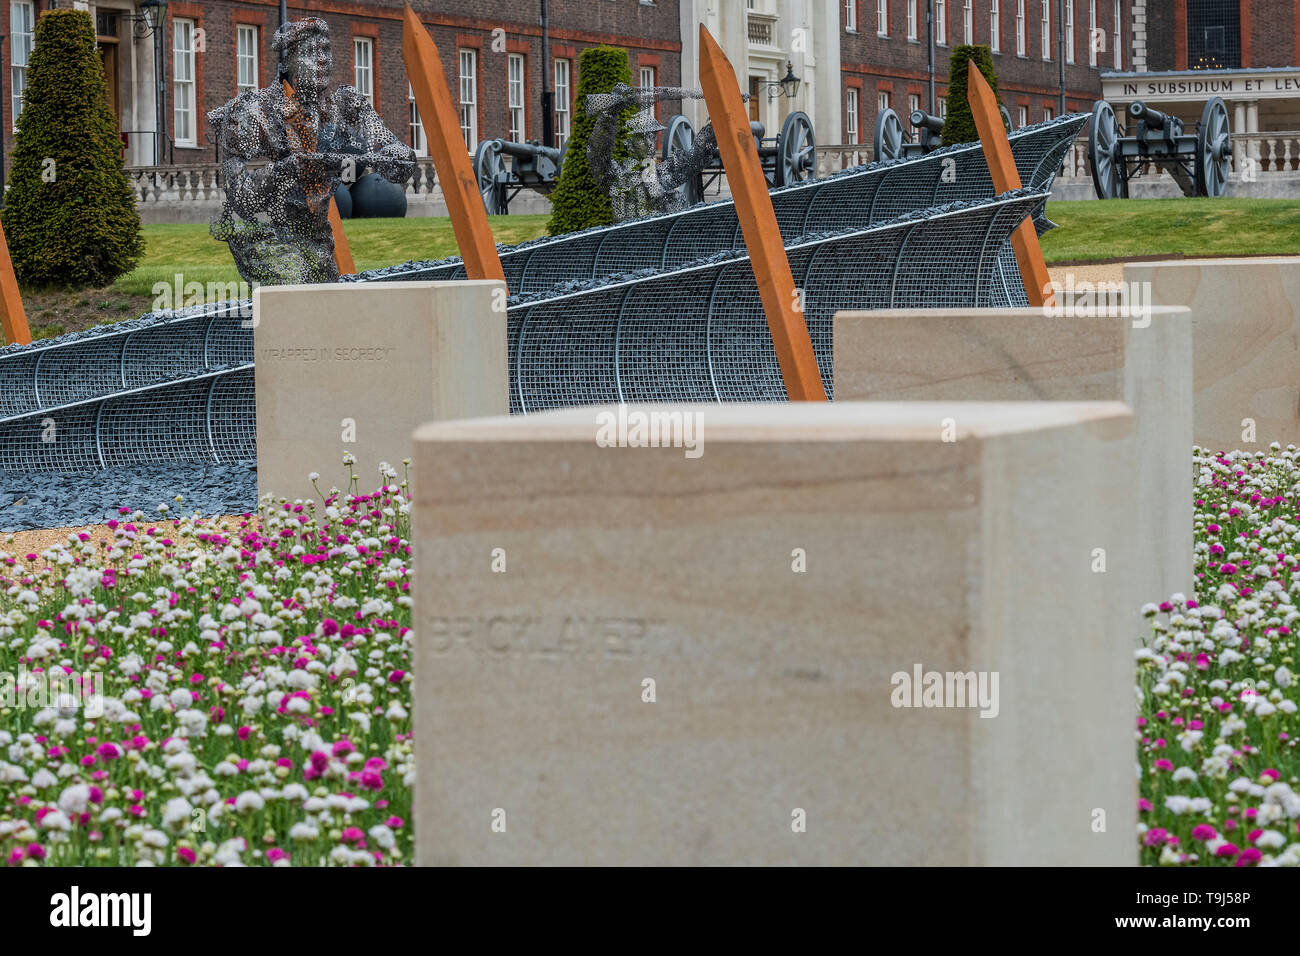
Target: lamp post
929	30
1060	52
787	86
149	22
2	113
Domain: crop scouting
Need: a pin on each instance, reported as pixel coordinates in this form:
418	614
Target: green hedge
69	214
959	125
576	202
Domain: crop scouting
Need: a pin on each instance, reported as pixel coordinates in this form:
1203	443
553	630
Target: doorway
106	29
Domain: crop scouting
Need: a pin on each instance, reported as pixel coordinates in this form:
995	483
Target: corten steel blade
447	147
794	350
315	191
1002	169
13	319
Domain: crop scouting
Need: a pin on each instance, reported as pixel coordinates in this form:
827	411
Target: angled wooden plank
13	318
315	191
447	147
794	351
1002	167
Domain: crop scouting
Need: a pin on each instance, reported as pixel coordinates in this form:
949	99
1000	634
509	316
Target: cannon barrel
525	150
920	118
1153	118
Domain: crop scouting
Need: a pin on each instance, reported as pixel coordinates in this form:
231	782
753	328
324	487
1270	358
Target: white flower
75	799
1184	773
249	802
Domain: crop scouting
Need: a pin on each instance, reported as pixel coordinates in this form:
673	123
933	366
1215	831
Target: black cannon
532	166
1199	162
889	142
788	158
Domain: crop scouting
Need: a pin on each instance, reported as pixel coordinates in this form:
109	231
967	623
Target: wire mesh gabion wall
852	199
205	417
699	333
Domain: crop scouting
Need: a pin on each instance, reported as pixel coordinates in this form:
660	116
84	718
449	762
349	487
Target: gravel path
38	500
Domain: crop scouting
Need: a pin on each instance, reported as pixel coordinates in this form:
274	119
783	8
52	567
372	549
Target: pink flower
109	751
319	761
396	823
352	835
342	748
372	781
185	855
243	733
1228	849
1163	764
275	854
1155	836
35	851
1248	856
1204	831
1143	804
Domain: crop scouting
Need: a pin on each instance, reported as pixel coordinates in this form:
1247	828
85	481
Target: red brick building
885	53
491	49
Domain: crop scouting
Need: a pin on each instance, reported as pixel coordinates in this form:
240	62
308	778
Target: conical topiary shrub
959	125
576	201
69	214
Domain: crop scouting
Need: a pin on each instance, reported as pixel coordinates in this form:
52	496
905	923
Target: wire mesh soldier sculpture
275	216
639	186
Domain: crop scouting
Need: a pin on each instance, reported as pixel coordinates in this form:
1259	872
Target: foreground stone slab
1245	341
955	355
693	655
356	367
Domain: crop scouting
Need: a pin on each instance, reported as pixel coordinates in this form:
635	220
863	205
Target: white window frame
184	112
647	77
1069	31
468	96
943	107
1022	117
562	79
1115	39
851	102
1022	42
968	22
940	23
415	125
515	71
882	18
913	103
1092	32
1046	44
363	67
911	19
995	26
1047	113
22	29
850	16
246	55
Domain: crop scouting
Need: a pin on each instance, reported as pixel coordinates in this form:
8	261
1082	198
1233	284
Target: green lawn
1127	228
188	250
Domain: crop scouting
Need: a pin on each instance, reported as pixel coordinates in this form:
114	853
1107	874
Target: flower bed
229	691
1217	696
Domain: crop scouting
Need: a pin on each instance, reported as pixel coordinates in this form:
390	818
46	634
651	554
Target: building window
1119	48
882	18
469	98
561	103
183	81
363	67
245	58
1213	35
968	22
940	22
1020	28
913	103
1069	31
515	94
22	18
851	125
851	16
1047	113
1093	36
1047	29
995	27
1022	117
911	19
418	142
646	79
943	107
882	100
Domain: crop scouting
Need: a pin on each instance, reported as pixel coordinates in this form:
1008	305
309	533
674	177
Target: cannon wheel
796	150
1213	149
1103	145
888	141
679	137
1006	117
490	171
